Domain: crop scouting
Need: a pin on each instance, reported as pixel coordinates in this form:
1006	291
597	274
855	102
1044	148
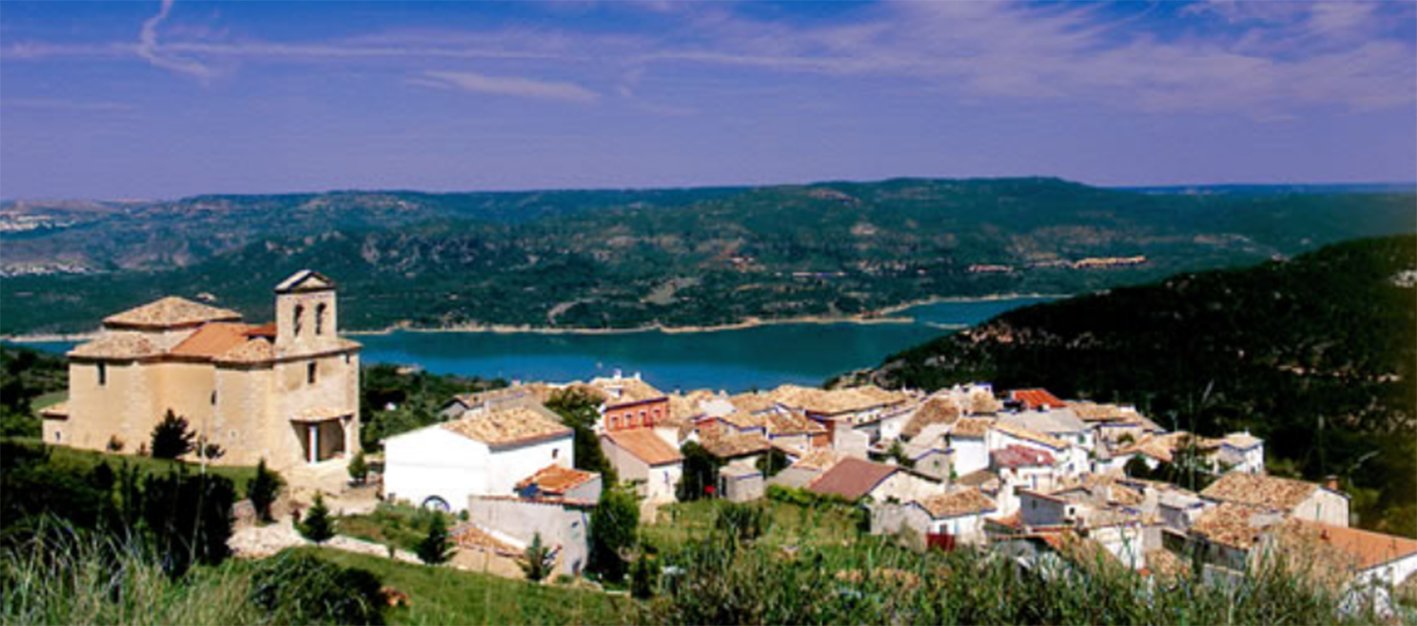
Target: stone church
286	391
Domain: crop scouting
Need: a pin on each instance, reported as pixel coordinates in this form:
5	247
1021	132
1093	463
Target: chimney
1331	483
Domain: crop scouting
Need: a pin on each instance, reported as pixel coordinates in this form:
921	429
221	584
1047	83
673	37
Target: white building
643	458
479	454
1243	452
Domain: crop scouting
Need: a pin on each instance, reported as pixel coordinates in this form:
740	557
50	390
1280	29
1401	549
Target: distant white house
478	454
1243	452
643	458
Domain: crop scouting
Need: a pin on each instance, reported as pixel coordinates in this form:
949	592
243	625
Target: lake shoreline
881	316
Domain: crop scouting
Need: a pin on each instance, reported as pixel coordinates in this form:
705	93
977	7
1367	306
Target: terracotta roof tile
213	339
556	480
506	426
1037	399
836	401
1234	525
820	460
724	444
1354	549
1034	436
1271	492
752	402
852	478
1021	456
254	351
956	503
623	390
168	312
935	410
974	427
58	410
792	423
743	421
644	445
116	345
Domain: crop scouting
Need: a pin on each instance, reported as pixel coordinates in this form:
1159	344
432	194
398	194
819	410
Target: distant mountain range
673	257
1318	355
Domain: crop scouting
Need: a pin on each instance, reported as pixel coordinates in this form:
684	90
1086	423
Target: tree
263	489
171	437
614	530
700	472
358	468
538	561
773	462
317	526
435	549
644	575
579	411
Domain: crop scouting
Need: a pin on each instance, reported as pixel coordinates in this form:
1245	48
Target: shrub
700	473
263	489
172	438
317	526
773	462
189	518
614	530
644	576
579	411
358	468
300	588
743	522
435	549
115	444
538	561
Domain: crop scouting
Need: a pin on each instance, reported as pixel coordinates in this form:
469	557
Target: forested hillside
594	259
1317	355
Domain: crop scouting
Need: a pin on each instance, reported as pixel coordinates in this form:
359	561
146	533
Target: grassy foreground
80	462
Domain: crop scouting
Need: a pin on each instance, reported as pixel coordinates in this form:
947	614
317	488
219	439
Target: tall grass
59	577
721	580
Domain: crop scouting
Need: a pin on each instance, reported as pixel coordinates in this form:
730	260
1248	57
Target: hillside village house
1293	498
646	460
483	452
286	392
629	402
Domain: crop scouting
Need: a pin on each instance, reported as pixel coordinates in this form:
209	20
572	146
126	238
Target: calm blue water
733	360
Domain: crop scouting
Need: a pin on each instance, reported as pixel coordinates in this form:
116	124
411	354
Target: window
102	374
346	358
58	435
554	452
296	318
320	318
310	373
213	397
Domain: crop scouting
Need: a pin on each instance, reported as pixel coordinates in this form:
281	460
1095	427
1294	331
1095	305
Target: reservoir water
733	360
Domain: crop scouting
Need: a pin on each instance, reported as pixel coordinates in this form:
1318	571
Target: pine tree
263	489
171	437
435	549
538	560
317	526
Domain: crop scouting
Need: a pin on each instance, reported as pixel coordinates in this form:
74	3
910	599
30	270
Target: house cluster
1023	472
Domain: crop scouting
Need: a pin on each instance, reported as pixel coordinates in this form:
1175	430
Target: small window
346	358
310	373
320	318
296	319
555	452
213	397
102	374
58	435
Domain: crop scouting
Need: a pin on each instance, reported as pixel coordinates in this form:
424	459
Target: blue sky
154	100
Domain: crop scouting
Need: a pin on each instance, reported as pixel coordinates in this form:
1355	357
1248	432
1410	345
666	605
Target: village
1021	473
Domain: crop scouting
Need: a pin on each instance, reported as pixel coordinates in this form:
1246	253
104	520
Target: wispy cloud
148	48
63	105
508	86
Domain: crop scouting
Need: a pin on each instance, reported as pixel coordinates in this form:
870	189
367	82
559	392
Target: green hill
1317	355
634	258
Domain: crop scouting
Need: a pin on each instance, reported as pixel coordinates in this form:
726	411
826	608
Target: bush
358	468
538	562
743	522
773	462
579	411
700	475
614	530
317	526
263	489
300	588
644	576
435	549
171	437
189	518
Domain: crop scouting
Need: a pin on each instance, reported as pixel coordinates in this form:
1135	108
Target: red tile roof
852	478
1021	456
1033	399
556	480
212	339
644	445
